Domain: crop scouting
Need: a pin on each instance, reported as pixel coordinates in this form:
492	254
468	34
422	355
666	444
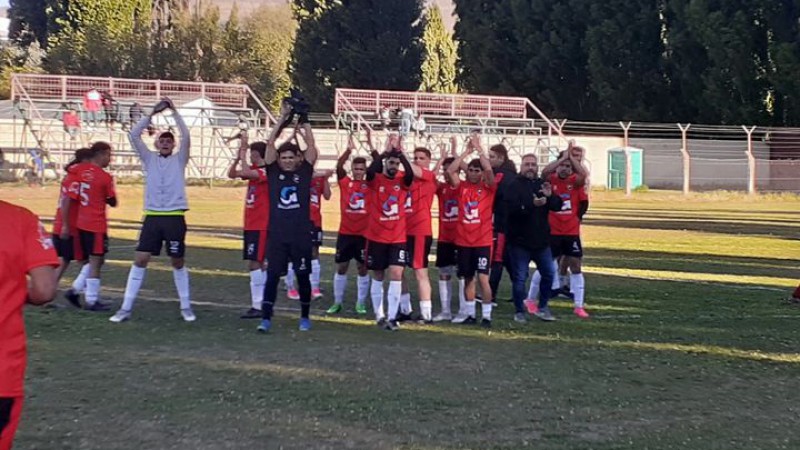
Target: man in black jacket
528	201
498	157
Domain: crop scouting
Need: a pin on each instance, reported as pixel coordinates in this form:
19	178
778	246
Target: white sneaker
188	315
120	316
443	317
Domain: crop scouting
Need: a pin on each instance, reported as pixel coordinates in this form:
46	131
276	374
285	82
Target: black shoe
381	323
73	298
98	306
565	292
486	323
403	317
251	313
469	321
392	325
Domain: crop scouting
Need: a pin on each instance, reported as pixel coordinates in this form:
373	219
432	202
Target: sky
3	3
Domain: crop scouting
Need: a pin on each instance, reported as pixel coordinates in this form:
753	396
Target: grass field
689	346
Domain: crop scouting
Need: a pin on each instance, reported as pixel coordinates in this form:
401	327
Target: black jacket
527	224
509	171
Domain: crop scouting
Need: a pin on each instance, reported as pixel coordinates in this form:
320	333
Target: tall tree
196	46
784	47
270	32
356	43
439	60
28	21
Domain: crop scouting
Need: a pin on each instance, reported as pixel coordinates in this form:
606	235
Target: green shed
616	167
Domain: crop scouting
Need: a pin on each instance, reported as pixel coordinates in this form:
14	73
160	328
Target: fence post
751	161
63	88
559	128
626	126
687	160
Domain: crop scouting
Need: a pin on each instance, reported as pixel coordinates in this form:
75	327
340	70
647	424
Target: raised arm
578	168
340	172
452	169
326	192
376	166
488	173
233	173
186	138
551	168
408	168
272	150
135	137
312	153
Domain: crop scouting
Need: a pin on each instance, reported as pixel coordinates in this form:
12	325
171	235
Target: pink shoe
580	312
532	306
316	293
293	294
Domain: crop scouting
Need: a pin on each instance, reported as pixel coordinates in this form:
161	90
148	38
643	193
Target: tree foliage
438	71
356	43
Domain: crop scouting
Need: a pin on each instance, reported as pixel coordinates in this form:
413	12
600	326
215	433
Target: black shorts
159	229
473	259
566	246
349	247
316	236
93	243
255	245
10	413
281	253
68	249
419	247
380	256
446	254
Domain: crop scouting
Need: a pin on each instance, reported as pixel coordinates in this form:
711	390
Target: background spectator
72	123
92	102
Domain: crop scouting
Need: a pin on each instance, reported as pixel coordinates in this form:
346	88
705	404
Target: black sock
304	289
270	294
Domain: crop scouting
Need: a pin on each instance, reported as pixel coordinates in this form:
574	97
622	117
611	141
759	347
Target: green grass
690	346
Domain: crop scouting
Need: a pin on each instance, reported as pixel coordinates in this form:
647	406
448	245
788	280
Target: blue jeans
518	260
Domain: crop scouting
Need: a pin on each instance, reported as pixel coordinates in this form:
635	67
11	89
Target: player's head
446	163
498	154
288	156
391	165
359	168
530	166
422	157
82	154
101	153
474	171
577	152
257	152
564	169
165	143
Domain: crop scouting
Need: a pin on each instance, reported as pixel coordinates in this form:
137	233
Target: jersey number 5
84	194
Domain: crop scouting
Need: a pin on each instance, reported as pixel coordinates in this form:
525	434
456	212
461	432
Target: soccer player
446	261
27	262
256	217
565	240
419	232
386	230
95	191
505	171
350	243
289	173
70	248
165	206
474	229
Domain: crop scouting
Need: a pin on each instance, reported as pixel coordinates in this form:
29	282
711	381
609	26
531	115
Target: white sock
257	280
405	303
578	288
426	309
290	278
470	307
536	281
556	277
339	284
486	310
135	279
181	277
316	272
79	285
462	301
92	290
562	281
393	298
363	289
444	295
376	292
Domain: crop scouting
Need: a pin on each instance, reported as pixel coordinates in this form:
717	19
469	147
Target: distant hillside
246	6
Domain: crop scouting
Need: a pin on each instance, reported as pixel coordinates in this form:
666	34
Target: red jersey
96	186
24	246
387	217
566	221
315	207
256	204
418	205
353	205
448	212
68	184
475	217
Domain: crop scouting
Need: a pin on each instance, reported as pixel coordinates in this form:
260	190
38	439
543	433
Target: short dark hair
501	150
561	154
260	147
289	147
475	163
423	150
99	147
394	154
449	160
82	154
167	134
360	160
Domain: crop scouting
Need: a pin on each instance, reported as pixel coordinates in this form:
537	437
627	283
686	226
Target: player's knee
178	263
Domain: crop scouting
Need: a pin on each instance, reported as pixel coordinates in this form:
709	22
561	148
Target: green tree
438	70
356	43
28	21
784	48
16	58
195	48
